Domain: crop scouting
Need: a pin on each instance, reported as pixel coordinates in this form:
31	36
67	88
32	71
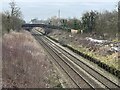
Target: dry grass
111	60
25	64
78	42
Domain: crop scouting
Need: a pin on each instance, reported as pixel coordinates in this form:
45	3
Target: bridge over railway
30	26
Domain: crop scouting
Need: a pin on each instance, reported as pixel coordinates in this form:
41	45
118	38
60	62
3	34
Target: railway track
72	74
80	74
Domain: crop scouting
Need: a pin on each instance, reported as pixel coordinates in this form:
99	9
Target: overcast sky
43	9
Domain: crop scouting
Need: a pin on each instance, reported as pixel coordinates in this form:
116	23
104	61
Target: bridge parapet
40	25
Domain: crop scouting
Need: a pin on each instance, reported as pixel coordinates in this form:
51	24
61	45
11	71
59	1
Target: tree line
12	19
103	23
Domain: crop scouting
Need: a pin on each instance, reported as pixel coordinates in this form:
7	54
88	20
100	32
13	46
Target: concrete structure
73	31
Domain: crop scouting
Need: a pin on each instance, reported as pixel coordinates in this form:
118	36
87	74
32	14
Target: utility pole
59	17
59	13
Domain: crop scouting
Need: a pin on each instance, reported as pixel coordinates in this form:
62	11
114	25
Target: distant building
73	31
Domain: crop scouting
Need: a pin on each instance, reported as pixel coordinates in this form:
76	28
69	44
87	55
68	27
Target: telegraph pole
59	17
59	13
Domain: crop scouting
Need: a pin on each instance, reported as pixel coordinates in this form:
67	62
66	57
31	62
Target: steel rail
108	83
46	47
57	62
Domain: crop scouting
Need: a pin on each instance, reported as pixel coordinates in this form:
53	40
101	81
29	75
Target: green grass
111	60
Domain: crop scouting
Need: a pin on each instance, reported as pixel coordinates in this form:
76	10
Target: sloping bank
107	63
25	64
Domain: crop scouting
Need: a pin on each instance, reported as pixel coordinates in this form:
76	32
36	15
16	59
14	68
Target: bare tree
15	13
13	17
88	21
